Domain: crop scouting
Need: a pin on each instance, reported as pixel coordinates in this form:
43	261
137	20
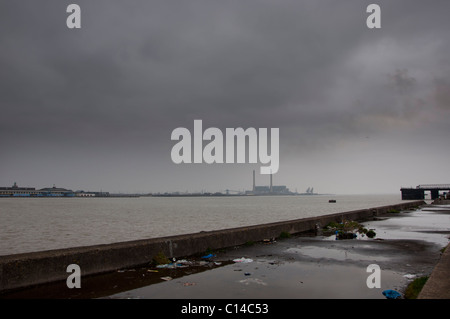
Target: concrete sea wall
441	201
23	270
438	284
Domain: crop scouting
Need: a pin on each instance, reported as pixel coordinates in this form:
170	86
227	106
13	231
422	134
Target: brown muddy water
407	246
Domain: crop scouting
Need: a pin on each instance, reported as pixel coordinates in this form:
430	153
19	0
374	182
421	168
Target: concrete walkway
438	285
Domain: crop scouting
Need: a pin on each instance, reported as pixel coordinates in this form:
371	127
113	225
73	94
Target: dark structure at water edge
418	193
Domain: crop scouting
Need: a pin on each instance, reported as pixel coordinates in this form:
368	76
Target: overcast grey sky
359	110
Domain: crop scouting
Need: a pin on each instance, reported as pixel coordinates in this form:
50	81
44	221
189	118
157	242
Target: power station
268	190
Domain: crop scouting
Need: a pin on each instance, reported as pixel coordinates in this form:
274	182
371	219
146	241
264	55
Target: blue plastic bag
391	294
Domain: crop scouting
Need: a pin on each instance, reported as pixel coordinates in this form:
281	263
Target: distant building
57	192
84	194
16	191
268	190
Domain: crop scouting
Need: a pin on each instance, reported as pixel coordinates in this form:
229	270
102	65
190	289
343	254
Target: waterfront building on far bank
16	191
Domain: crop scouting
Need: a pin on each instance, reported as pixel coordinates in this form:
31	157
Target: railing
434	186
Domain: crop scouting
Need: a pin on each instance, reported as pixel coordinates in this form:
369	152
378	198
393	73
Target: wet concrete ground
407	245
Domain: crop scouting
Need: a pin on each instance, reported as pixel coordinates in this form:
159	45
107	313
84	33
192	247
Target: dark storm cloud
138	69
181	59
442	92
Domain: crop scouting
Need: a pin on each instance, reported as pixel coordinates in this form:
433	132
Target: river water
37	224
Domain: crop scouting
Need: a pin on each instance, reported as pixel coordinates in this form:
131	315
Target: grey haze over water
28	225
359	110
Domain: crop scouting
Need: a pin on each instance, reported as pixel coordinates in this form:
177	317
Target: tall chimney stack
271	190
254	188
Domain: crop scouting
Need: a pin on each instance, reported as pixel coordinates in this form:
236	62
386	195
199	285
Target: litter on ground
166	278
252	280
243	260
187	284
391	294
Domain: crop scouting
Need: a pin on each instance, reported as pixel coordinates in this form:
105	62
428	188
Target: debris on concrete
124	270
167	278
269	240
187	284
345	235
391	294
183	263
167	266
252	280
243	260
348	229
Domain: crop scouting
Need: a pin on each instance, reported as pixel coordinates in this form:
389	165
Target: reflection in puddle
433	227
332	253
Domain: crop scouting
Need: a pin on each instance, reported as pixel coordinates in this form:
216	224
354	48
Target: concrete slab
438	285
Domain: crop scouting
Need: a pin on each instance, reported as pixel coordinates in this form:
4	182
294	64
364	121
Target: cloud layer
94	108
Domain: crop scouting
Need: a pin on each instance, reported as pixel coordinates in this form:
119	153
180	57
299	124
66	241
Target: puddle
333	253
116	282
290	280
429	226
